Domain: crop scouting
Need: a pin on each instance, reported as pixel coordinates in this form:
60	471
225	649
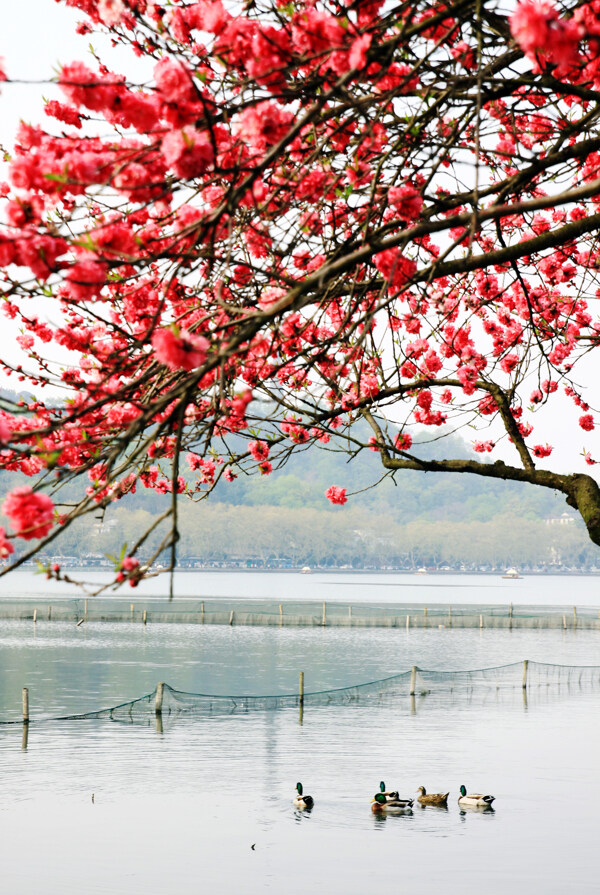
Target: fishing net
298	614
519	677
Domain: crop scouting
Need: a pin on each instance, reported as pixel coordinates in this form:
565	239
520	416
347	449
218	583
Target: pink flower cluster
394	267
31	514
544	37
183	351
6	548
482	447
259	450
403	441
336	495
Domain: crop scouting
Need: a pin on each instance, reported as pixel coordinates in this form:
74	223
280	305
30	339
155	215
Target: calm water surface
369	587
180	810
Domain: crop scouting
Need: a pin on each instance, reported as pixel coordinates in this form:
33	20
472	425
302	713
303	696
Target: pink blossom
209	15
270	296
31	514
26	341
467	376
587	422
358	51
548	386
174	81
543	35
394	267
407	201
541	450
6	548
87	88
185	351
265	467
509	362
62	112
5	431
265	124
129	563
111	11
206	468
188	152
85	279
482	447
336	495
259	449
403	441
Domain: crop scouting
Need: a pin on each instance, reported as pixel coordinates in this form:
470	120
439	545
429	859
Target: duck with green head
302	801
391	795
380	803
474	800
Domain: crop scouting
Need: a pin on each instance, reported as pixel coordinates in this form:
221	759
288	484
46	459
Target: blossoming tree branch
311	214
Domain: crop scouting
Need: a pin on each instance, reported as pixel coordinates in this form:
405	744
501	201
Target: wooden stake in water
565	622
301	690
202	613
158	703
413	680
25	739
25	705
425	617
132	607
481	621
145	616
324	621
449	616
85	611
49	612
574	616
34	616
525	666
407	622
231	618
280	614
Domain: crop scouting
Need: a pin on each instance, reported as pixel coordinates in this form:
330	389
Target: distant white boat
306	570
421	571
512	573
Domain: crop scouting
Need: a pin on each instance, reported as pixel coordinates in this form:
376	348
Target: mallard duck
302	801
434	798
475	800
391	796
394	806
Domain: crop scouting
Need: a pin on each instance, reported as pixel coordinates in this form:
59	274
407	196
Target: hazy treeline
418	520
215	532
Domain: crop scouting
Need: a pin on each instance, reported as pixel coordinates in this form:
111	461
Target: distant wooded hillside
284	519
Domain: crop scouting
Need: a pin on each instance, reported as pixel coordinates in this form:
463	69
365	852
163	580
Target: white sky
38	35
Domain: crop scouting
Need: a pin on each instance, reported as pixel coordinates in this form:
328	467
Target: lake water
180	809
347	587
